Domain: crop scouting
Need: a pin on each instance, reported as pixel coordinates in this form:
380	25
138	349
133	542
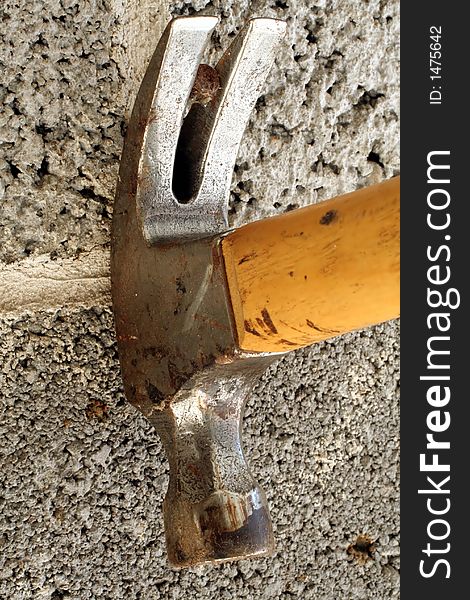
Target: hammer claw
195	157
160	105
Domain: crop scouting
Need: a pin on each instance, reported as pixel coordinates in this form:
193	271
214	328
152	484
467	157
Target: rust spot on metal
235	511
206	86
211	322
153	352
194	469
329	217
226	517
127	338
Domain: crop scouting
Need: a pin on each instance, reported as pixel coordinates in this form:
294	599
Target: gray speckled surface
82	474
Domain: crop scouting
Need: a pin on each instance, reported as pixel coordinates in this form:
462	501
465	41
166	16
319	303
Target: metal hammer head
178	350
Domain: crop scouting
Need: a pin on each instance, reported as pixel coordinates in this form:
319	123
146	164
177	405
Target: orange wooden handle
316	272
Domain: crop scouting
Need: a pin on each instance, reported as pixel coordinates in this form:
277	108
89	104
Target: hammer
201	310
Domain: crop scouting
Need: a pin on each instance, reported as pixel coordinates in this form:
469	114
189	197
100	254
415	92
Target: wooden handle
316	272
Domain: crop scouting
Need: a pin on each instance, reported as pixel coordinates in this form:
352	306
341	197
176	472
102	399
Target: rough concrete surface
82	474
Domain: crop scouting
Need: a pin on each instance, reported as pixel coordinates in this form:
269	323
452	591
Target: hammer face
214	510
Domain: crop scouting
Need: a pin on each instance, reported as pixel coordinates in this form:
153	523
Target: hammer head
180	361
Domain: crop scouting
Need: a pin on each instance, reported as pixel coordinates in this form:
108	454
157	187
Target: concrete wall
82	474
